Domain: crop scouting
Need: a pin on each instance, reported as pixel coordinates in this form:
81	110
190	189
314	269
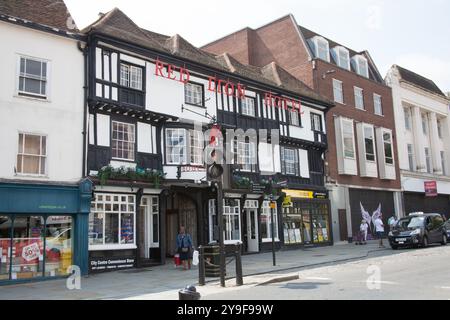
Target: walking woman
184	246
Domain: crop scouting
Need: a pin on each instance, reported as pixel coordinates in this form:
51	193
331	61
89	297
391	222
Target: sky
414	34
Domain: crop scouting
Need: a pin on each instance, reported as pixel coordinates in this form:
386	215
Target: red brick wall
349	80
235	44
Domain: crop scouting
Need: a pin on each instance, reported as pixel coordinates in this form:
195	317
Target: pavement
163	282
407	275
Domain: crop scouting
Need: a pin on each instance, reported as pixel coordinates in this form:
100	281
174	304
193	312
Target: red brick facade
281	41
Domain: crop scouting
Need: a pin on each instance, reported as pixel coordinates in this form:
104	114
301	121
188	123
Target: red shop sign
431	189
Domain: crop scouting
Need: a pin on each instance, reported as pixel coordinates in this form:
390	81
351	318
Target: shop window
293	224
320	224
213	222
5	247
28	247
32	155
266	222
232	220
112	222
58	242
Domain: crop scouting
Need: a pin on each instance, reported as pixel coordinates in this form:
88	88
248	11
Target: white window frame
343	54
338	91
359	98
407	118
229	213
248	106
378	105
43	79
294	118
169	144
345	122
411	159
391	142
266	212
322	41
196	147
130	142
103	202
316	119
373	143
293	162
246	156
360	69
193	94
131	76
41	155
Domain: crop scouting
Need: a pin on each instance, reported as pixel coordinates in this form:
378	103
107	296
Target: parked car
447	229
418	229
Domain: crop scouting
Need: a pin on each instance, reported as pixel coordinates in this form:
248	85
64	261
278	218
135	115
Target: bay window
388	153
123	141
32	154
266	222
112	221
369	143
196	139
348	138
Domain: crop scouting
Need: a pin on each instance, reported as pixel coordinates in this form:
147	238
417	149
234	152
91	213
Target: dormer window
342	57
322	48
361	66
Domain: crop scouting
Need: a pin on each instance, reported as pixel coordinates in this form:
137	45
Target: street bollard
239	280
201	266
189	293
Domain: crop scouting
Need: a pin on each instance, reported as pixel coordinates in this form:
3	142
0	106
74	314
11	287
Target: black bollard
189	293
201	266
239	280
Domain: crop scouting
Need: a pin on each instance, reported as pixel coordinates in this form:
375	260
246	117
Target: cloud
430	67
374	19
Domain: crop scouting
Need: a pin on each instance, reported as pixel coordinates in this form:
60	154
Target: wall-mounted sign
431	189
287	202
113	264
258	188
320	195
192	169
302	194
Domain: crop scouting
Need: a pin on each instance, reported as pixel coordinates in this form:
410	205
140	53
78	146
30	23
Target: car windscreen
410	223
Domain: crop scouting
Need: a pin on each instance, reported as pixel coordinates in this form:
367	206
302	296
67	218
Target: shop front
420	202
43	230
306	219
124	229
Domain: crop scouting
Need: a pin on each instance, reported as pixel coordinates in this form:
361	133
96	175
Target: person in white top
379	228
363	232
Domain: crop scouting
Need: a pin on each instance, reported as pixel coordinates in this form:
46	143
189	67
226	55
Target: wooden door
343	232
171	231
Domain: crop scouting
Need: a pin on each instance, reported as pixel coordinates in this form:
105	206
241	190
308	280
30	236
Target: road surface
405	275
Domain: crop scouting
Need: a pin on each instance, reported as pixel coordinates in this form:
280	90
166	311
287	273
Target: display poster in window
126	234
291	236
298	236
31	252
325	234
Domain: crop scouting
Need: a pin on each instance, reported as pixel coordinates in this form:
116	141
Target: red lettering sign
167	71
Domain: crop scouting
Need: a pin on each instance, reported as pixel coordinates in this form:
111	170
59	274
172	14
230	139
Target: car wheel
425	242
444	240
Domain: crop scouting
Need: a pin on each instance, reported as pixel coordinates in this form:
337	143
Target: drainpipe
85	89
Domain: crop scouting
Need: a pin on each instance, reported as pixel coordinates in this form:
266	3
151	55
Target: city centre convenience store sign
229	88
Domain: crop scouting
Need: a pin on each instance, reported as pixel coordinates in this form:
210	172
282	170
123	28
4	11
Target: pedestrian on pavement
363	232
379	228
184	246
392	223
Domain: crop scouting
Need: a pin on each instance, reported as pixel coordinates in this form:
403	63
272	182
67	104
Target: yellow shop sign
303	194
